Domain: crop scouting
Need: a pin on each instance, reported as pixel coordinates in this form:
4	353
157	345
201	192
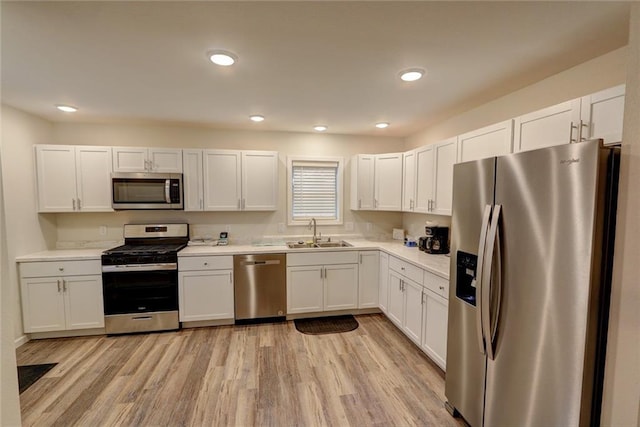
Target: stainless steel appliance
147	191
260	286
140	279
436	240
531	260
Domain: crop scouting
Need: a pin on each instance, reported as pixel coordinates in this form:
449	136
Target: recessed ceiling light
382	125
67	108
222	57
412	75
320	128
256	118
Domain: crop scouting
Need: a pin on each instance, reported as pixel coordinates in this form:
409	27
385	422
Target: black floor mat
326	325
29	374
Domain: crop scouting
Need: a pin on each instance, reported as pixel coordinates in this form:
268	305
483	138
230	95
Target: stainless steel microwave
147	191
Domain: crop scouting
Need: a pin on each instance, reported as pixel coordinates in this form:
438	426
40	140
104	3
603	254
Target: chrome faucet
312	223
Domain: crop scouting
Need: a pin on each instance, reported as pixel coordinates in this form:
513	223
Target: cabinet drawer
408	270
60	268
200	263
322	258
436	284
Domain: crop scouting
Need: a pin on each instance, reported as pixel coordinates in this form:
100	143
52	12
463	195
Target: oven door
130	292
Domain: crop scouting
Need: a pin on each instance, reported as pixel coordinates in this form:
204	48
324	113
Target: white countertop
436	264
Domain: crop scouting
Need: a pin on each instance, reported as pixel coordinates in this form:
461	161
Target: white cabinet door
362	182
388	182
56	170
383	294
601	115
491	141
43	304
206	295
408	181
93	173
434	329
368	279
222	180
424	178
130	159
83	302
412	322
395	302
340	287
304	289
165	160
259	180
445	154
550	126
192	180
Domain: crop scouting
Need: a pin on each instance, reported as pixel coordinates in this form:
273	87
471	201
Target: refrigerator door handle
489	326
477	280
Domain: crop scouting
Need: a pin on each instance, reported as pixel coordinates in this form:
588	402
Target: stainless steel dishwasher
260	286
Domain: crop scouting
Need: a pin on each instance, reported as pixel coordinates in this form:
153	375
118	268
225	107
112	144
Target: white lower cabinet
434	327
412	322
368	279
205	288
67	301
383	292
395	301
325	281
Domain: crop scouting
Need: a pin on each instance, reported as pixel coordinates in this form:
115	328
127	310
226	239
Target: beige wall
600	73
621	406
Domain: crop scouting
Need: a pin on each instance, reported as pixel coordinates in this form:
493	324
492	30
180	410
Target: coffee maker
436	240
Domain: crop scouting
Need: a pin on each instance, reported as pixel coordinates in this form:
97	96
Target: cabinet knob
441	288
206	263
60	268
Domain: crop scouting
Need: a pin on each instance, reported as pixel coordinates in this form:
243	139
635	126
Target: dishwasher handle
267	262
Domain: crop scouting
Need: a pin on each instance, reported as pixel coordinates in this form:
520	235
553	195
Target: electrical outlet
348	226
102	230
281	227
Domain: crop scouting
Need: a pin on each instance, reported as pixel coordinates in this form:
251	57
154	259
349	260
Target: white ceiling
300	63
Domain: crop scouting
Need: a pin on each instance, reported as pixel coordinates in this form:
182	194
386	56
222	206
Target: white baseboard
21	340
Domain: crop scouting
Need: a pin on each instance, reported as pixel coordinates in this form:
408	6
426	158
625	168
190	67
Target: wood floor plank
249	375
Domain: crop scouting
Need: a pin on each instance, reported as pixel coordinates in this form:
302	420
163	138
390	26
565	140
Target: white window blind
314	190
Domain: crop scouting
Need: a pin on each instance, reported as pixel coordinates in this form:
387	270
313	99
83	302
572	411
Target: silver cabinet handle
375	203
244	204
321	272
422	298
230	277
74	204
201	204
79	204
571	138
583	126
64	285
360	258
58	282
239	204
359	203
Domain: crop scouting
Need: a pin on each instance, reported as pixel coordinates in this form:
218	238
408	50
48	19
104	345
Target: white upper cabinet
193	180
445	155
73	178
388	182
140	159
259	180
490	141
424	179
550	126
601	115
240	180
409	181
362	181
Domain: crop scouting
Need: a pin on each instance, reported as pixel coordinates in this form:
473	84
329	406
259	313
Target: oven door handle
139	267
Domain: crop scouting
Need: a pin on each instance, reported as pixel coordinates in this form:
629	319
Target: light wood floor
266	375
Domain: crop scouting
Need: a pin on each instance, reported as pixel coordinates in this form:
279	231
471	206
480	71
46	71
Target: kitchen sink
309	245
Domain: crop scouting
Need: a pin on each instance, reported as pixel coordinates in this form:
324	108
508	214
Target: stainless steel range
140	279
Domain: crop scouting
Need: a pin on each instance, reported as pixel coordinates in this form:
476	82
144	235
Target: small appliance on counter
436	240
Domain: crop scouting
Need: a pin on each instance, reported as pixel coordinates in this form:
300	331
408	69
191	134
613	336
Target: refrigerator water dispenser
466	271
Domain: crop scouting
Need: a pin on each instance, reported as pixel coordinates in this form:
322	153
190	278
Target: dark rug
326	325
29	374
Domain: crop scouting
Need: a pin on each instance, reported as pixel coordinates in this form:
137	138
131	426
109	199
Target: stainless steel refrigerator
531	256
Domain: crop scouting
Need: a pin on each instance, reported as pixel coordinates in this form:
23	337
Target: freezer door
547	228
473	191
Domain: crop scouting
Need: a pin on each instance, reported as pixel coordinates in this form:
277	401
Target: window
315	190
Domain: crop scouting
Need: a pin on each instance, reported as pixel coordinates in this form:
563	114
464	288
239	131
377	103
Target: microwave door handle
167	190
477	280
